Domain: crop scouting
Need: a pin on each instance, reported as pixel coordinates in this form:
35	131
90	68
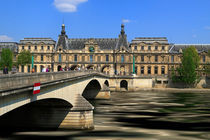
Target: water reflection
143	115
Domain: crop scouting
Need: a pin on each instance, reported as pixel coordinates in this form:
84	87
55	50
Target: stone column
80	116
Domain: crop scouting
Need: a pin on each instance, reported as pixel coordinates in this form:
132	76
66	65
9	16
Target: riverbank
176	90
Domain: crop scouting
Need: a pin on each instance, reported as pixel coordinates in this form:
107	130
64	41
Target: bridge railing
20	81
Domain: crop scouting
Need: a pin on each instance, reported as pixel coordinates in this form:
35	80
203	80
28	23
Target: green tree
24	58
187	70
6	59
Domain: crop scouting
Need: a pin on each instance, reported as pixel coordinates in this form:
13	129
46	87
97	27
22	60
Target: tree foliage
6	59
187	71
24	58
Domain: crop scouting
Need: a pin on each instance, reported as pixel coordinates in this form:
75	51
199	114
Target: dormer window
42	47
149	48
156	48
142	47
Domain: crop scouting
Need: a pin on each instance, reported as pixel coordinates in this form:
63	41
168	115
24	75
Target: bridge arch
92	89
49	113
124	84
106	83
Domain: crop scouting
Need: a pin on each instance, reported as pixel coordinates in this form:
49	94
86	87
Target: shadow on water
142	115
190	112
84	134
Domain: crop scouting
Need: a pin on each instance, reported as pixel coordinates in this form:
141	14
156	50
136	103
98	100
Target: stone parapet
22	81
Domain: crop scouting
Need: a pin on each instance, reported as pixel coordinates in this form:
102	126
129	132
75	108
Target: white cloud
5	38
207	27
126	21
68	5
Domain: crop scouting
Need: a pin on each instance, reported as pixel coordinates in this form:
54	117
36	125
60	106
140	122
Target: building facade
143	56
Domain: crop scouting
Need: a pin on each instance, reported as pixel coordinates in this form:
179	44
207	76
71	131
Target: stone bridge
62	101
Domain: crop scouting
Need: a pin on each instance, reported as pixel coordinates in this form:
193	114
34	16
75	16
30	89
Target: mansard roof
122	41
37	41
103	43
177	48
150	40
62	39
10	45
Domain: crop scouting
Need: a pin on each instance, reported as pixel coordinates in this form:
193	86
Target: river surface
142	116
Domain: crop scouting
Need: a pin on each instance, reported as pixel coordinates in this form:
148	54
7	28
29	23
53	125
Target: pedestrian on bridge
5	70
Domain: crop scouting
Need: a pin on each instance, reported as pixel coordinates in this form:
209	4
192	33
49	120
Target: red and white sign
36	88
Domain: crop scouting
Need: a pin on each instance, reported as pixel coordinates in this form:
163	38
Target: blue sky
181	21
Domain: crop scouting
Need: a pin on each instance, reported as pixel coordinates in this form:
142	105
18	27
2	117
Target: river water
142	116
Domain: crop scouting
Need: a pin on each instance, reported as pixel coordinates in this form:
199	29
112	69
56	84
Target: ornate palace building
144	56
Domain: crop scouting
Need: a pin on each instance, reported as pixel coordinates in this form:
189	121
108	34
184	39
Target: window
142	70
91	58
156	70
135	47
122	58
156	58
41	68
22	47
107	58
42	47
83	58
35	47
149	48
142	47
29	47
136	70
35	68
149	70
99	58
75	58
60	59
35	57
163	48
42	58
162	70
22	68
204	58
156	48
48	47
29	69
142	58
172	58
